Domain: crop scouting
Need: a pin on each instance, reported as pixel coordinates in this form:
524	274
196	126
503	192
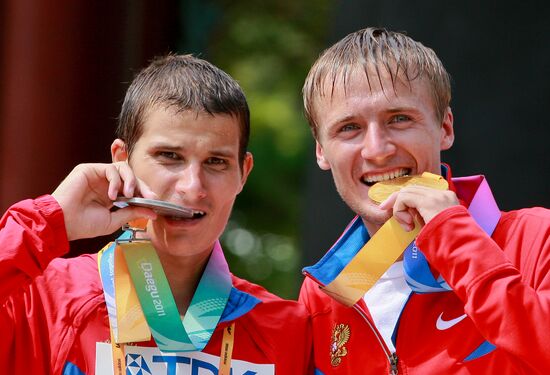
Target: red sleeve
32	233
503	280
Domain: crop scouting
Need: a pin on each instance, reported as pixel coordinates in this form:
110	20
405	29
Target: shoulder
269	301
81	272
273	312
316	301
532	222
72	285
538	214
280	327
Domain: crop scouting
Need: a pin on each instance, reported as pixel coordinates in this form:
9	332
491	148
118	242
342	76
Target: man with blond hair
430	277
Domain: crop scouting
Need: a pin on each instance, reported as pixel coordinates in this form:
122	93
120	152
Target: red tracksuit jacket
501	283
53	310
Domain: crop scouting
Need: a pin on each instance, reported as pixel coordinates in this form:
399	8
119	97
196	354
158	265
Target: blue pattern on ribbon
418	275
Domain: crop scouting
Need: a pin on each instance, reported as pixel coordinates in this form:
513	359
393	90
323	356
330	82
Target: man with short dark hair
161	301
430	277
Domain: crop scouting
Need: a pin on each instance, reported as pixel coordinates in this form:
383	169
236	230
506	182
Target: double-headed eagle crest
340	336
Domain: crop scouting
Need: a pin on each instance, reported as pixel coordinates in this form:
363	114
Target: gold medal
380	191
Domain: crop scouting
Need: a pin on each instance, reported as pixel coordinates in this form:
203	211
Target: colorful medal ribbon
156	303
106	267
390	241
383	249
483	210
159	306
370	263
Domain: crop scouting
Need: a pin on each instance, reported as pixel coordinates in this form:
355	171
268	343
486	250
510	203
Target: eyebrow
342	120
401	109
221	152
166	146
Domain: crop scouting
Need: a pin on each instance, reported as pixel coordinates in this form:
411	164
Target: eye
349	127
216	162
400	118
168	155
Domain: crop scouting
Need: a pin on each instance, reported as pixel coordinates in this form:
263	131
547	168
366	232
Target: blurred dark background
64	68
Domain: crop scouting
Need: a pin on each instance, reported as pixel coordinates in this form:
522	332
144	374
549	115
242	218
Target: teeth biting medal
382	250
160	207
380	191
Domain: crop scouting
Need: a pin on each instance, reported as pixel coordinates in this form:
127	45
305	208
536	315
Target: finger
128	179
145	190
405	219
115	182
389	202
418	218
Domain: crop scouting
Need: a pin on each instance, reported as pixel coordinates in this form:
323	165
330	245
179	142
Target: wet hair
182	83
376	50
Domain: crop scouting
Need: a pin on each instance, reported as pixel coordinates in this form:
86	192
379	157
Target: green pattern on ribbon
159	307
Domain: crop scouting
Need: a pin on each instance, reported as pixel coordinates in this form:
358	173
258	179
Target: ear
321	161
119	151
447	131
248	164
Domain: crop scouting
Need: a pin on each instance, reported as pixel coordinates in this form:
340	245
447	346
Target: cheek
420	142
342	154
159	180
425	150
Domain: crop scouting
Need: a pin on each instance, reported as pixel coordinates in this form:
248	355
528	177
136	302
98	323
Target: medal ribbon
155	299
159	307
483	210
390	241
106	267
370	263
227	350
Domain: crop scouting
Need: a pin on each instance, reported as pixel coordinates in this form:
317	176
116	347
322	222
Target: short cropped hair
182	82
402	57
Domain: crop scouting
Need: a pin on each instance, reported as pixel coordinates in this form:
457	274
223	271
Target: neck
372	228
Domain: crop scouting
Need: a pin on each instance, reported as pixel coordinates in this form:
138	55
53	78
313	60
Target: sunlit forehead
369	79
191	132
361	97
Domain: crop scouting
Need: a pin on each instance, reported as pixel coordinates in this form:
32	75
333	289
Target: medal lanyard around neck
390	241
483	209
138	298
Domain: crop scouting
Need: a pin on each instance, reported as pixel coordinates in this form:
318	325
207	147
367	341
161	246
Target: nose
377	144
190	183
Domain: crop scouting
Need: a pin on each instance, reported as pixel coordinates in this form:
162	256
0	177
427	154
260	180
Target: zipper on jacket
393	364
392	357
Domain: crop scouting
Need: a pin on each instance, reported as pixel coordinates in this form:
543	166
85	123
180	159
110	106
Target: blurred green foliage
268	46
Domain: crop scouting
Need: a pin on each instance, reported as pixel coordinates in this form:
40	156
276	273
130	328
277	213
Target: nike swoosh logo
442	325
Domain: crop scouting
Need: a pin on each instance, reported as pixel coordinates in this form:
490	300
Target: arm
34	232
504	281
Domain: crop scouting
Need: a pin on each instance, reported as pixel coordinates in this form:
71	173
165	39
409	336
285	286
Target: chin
373	215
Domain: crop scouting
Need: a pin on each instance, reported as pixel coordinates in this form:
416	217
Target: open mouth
195	216
371	179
